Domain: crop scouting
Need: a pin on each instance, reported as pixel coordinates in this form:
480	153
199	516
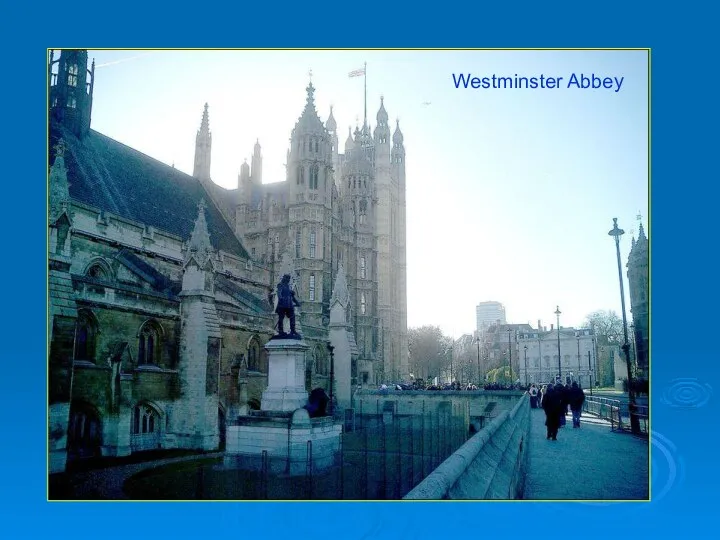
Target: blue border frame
682	347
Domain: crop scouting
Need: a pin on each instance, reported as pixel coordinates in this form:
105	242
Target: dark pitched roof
118	179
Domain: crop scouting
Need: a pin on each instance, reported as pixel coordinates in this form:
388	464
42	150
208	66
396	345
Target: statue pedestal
283	443
281	437
286	376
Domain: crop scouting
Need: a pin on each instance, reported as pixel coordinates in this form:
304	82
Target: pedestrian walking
533	396
577	398
552	403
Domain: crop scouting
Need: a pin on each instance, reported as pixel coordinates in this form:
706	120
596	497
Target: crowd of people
555	400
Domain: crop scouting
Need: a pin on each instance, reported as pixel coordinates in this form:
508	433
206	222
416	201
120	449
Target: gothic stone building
158	281
638	274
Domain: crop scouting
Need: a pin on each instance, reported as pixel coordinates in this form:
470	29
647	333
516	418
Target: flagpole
365	94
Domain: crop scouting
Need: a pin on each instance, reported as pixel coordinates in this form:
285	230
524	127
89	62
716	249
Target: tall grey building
489	313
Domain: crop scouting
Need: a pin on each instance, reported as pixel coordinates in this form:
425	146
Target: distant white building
488	314
538	355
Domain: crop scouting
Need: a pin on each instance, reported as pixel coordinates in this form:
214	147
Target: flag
357	72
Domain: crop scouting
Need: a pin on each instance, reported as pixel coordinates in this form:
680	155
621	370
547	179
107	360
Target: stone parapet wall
491	465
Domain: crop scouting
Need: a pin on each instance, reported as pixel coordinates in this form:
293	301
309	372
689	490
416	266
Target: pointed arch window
298	240
363	212
98	271
321	362
300	175
257	361
72	75
312	244
363	303
311	288
277	246
314	173
317	146
149	344
72	102
363	271
85	336
145	420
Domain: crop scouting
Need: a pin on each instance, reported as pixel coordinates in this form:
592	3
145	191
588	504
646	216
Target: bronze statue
286	302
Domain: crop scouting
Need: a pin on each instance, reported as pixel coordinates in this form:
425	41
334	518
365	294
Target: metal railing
616	412
605	408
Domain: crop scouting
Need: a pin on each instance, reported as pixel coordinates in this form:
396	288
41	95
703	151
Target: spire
205	123
256	171
59	186
203	147
309	122
641	234
382	115
349	144
200	237
331	125
398	136
340	292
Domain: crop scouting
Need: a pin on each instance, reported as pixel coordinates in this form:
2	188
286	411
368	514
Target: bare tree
428	351
608	330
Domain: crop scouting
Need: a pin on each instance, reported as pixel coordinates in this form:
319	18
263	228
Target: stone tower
71	89
638	281
398	280
309	202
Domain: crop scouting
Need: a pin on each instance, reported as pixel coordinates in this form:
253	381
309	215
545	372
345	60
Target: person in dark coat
576	399
552	403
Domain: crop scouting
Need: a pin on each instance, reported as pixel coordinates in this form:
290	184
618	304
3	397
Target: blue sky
510	192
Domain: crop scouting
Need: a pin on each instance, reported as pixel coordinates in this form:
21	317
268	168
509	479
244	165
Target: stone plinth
288	439
286	376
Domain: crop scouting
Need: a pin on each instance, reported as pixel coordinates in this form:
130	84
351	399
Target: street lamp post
578	343
634	420
557	314
526	373
634	347
590	373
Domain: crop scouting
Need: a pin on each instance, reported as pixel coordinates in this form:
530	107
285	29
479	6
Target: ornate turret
331	124
71	89
398	138
256	173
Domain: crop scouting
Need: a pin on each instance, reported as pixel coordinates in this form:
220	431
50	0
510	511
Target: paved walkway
590	463
108	483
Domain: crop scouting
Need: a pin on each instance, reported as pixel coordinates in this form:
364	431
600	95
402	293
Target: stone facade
158	314
331	209
577	350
